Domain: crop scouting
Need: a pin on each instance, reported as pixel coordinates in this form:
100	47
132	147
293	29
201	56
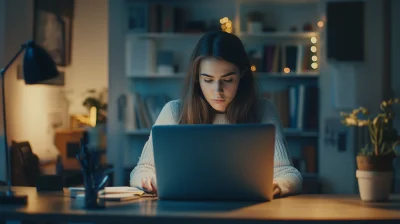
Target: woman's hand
149	185
276	190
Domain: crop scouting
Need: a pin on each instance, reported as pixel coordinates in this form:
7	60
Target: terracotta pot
375	163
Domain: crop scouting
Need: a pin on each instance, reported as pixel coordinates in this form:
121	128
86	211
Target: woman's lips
218	101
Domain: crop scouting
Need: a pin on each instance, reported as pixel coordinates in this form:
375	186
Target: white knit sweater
286	176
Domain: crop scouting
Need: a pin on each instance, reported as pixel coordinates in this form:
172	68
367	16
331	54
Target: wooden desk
57	207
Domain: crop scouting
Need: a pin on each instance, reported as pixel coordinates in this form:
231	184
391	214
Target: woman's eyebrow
227	74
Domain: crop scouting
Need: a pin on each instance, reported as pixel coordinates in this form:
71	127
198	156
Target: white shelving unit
150	82
288	132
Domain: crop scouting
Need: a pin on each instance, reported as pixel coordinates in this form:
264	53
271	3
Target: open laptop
214	162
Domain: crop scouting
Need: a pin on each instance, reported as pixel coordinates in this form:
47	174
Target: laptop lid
214	162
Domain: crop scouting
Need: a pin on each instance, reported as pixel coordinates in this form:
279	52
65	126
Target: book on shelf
297	106
274	58
147	108
165	18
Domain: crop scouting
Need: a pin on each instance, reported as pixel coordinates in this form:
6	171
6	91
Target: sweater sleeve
286	176
145	167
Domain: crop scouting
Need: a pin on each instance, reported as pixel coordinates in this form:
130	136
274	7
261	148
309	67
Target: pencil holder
91	194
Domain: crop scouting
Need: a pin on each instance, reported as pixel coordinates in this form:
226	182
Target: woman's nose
219	87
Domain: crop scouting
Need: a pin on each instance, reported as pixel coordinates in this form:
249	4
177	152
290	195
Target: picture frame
52	28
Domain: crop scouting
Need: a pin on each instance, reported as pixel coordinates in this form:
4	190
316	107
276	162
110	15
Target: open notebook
122	193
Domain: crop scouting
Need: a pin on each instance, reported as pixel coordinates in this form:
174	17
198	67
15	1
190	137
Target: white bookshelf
150	82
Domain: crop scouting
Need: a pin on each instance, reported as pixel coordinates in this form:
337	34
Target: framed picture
52	28
137	17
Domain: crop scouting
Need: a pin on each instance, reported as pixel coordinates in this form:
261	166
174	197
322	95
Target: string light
313	49
313	40
314	58
253	68
286	70
226	24
320	24
314	65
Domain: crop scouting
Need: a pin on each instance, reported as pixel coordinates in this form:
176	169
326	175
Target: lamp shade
38	66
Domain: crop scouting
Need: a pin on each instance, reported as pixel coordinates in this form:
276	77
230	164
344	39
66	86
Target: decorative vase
375	176
254	27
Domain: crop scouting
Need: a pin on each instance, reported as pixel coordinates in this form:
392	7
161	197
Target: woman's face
219	82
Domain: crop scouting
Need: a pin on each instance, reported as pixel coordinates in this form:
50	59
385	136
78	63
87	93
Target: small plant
99	101
383	136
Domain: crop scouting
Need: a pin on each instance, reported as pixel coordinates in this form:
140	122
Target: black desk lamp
38	66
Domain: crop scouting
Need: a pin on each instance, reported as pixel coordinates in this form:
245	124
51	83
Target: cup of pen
94	181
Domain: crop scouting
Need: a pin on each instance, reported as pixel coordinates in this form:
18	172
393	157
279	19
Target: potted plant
375	161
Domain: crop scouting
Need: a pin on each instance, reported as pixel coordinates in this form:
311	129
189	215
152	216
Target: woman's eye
208	80
228	80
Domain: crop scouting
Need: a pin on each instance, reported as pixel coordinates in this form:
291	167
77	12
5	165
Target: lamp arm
23	46
2	73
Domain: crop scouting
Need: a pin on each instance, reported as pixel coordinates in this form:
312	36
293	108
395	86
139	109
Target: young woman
220	89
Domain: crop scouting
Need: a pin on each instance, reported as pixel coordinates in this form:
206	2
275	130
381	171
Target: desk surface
59	207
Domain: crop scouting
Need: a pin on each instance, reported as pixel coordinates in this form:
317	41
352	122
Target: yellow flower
362	123
350	121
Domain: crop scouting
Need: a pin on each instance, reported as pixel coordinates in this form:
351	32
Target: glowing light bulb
314	49
320	24
253	68
314	65
314	58
313	40
286	70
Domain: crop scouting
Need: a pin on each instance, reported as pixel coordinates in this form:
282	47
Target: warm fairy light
226	25
253	68
314	49
286	70
313	40
320	24
314	58
92	116
314	65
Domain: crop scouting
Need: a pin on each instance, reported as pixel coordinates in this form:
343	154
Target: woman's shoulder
266	104
173	104
267	108
172	107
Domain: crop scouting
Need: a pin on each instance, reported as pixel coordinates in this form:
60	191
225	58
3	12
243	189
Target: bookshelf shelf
257	75
289	132
243	35
287	35
164	35
258	2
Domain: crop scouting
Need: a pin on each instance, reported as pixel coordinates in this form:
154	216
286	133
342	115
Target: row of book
155	17
147	108
297	106
274	58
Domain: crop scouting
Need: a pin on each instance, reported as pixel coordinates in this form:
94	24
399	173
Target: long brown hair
244	107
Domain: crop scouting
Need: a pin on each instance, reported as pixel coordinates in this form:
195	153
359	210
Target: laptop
214	162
